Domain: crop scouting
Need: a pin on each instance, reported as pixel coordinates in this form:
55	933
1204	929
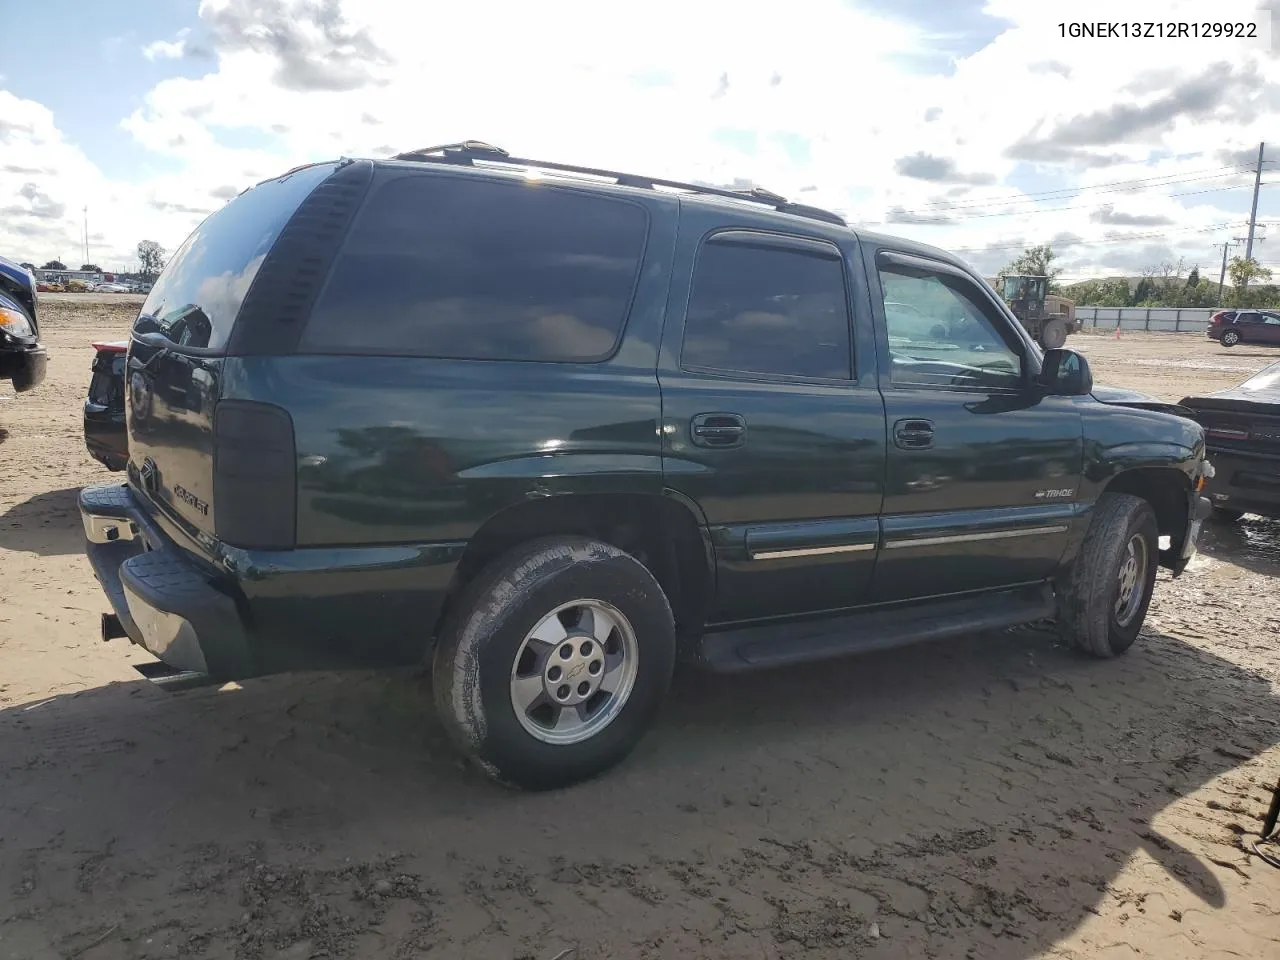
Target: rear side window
442	266
777	309
196	299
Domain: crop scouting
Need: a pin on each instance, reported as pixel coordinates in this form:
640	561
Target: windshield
1266	381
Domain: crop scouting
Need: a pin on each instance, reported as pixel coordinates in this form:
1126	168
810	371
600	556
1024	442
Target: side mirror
1065	373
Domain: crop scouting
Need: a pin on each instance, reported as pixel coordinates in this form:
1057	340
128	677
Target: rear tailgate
177	353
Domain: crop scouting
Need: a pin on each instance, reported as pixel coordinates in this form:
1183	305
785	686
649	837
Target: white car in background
111	288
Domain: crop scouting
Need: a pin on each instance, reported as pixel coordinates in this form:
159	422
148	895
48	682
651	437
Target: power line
1030	213
1057	244
1171	179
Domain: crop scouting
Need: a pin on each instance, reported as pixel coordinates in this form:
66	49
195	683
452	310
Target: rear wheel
555	662
1105	598
1053	334
1230	338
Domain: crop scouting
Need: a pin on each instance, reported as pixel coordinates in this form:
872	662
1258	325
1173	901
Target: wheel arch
661	530
1167	489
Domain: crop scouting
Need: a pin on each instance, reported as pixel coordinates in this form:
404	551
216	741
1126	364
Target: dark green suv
556	428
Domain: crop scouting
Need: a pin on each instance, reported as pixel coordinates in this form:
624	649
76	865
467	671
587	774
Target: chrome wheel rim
1131	581
574	672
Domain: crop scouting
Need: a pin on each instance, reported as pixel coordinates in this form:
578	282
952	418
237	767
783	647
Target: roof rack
468	152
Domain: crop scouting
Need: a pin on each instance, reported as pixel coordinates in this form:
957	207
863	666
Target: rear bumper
24	366
247	613
166	603
1242	482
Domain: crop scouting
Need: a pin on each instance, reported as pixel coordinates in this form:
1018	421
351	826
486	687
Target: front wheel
1231	338
1105	598
555	661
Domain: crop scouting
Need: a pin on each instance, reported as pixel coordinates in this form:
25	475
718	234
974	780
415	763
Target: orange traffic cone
1117	333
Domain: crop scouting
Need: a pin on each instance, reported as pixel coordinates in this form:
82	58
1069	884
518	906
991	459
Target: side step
172	679
878	628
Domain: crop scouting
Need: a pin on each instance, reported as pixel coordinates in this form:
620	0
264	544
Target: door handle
718	430
913	434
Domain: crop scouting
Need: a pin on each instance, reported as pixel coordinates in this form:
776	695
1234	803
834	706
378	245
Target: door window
944	333
439	266
763	308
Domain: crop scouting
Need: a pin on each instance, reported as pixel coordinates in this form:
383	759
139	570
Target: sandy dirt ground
993	797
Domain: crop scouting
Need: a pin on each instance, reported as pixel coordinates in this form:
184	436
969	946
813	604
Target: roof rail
468	152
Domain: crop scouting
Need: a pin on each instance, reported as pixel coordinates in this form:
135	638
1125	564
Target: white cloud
817	100
167	49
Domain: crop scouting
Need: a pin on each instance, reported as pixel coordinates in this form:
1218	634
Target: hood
1122	397
17	273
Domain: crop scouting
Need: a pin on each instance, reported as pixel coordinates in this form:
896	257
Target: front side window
757	308
446	266
944	333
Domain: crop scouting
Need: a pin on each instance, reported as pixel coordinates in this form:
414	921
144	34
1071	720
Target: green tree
151	256
54	265
1242	271
1193	278
1034	262
1144	291
27	266
90	268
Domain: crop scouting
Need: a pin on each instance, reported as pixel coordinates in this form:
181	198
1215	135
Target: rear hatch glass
175	362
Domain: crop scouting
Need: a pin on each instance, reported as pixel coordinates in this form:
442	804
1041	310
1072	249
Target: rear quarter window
446	266
199	293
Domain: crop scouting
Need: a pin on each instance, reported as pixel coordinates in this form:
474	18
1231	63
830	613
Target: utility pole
86	235
1253	214
1222	277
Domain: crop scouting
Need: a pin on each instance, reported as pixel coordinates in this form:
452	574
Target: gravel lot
995	797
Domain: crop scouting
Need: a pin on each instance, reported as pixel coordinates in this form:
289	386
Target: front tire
1106	596
1231	338
554	663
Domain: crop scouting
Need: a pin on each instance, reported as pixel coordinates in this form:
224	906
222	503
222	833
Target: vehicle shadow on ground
47	524
975	795
1252	542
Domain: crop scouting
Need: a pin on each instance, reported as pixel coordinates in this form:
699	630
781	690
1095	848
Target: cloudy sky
971	124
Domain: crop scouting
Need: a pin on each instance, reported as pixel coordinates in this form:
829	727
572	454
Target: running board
880	628
172	679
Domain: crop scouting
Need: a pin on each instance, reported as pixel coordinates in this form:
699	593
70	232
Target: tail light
254	476
1215	319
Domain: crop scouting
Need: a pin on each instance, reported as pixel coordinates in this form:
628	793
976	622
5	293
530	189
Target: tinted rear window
196	299
444	266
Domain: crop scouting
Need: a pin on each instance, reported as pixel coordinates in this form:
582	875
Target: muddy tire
554	662
1226	515
1230	338
1053	334
1105	598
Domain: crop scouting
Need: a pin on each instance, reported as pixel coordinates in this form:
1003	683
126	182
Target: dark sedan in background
1242	433
1230	327
104	429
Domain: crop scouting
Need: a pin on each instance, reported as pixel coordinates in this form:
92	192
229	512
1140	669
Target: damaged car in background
1242	433
22	357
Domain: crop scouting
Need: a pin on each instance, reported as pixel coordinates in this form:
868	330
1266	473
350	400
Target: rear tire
1053	334
1230	338
1107	592
562	620
1226	514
